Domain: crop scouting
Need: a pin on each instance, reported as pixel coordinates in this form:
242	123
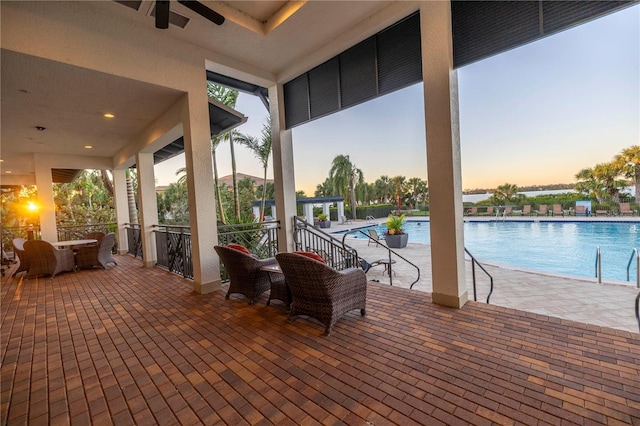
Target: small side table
387	265
279	288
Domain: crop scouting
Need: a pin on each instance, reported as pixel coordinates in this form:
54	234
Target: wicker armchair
320	291
98	236
18	250
98	254
45	259
245	275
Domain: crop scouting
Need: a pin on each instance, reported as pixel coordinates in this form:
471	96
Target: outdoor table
387	265
279	288
69	243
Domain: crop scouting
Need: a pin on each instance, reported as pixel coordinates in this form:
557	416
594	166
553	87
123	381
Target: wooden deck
130	345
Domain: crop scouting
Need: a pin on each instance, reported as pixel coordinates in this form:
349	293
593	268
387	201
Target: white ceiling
70	101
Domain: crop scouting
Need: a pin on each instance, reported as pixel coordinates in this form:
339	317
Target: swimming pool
556	247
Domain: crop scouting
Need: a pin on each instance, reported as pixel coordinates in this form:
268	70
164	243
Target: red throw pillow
239	248
311	255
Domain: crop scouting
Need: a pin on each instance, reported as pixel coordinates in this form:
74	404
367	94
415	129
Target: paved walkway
611	305
132	345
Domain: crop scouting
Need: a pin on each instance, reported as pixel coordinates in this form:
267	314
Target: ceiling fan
162	12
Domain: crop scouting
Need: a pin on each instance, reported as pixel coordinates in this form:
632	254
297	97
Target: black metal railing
31	232
260	238
134	238
173	248
391	254
475	262
331	249
638	310
77	232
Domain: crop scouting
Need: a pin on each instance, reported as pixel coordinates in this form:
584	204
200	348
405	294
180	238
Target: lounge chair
580	210
245	274
98	254
45	259
625	208
557	210
488	212
374	236
508	211
542	210
526	210
344	219
472	211
320	291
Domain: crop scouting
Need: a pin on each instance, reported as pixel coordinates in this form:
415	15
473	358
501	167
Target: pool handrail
635	254
638	309
598	265
474	262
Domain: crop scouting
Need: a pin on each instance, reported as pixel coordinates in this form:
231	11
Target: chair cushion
311	255
239	248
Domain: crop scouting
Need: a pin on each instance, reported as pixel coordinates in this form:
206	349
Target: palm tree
262	150
383	188
629	162
399	190
417	191
324	189
505	193
229	98
345	176
600	182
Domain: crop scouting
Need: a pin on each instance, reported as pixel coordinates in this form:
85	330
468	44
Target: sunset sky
533	115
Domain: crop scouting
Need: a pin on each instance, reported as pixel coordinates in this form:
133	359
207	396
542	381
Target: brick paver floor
130	345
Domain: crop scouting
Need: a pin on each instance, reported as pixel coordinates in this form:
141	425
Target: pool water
557	247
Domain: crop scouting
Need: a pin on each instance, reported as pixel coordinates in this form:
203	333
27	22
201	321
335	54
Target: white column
325	210
283	174
200	184
148	207
307	210
256	212
121	202
273	212
46	205
443	155
340	210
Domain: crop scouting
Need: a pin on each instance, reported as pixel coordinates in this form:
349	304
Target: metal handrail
638	309
327	246
389	251
637	256
598	265
474	261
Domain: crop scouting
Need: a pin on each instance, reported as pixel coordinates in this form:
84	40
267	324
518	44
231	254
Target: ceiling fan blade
203	11
162	14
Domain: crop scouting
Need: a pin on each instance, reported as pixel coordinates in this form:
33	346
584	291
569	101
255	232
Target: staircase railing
475	262
331	249
389	251
638	310
598	265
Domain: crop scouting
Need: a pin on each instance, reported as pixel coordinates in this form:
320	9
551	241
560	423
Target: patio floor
130	345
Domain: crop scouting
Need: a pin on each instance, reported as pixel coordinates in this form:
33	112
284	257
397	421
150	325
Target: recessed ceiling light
88	146
8	171
1	160
109	115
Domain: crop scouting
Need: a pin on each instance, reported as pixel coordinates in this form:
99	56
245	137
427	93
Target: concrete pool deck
611	304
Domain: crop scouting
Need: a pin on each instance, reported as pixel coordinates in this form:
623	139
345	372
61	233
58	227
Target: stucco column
340	210
443	155
325	210
148	207
46	205
122	207
200	184
283	174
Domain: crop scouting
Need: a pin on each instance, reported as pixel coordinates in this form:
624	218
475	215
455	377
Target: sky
534	115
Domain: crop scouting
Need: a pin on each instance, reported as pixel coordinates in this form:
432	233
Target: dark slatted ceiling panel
324	83
358	75
485	28
559	15
296	101
399	55
388	61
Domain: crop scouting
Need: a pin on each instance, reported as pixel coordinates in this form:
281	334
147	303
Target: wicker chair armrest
268	261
